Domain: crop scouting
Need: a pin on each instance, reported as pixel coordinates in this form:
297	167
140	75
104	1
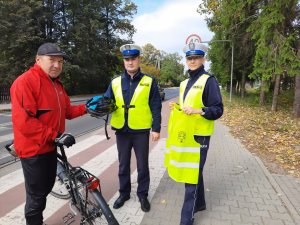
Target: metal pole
231	75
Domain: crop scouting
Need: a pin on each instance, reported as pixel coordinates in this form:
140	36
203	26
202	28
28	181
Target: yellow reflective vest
203	127
182	156
139	113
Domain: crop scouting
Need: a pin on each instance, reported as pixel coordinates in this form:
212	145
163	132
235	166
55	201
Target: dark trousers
194	193
39	174
140	143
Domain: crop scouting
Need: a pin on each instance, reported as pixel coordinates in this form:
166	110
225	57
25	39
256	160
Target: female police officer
200	99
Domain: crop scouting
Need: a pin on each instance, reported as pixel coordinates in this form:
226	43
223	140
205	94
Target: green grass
251	99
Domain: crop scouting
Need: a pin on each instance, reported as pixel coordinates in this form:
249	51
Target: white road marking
12	179
6	137
130	213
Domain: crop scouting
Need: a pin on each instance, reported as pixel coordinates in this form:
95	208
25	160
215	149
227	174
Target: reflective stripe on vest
182	155
193	98
139	113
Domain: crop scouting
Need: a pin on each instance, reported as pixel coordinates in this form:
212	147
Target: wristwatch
203	112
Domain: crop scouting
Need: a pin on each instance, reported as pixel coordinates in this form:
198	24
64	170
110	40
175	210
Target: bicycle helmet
100	106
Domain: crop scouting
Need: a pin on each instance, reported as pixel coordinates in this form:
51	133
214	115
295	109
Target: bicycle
84	190
76	183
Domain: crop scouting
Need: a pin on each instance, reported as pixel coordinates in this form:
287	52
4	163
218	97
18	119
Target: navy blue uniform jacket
128	87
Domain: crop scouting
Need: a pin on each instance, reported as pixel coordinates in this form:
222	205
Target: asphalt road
77	127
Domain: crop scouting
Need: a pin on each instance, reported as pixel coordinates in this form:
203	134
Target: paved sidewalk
239	190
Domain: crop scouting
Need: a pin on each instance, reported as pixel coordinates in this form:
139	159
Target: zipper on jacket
58	103
130	89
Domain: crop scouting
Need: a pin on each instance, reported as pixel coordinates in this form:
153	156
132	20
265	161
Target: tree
89	31
229	20
20	32
150	55
171	69
275	53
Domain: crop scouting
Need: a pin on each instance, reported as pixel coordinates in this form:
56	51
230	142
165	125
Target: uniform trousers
194	193
39	174
140	143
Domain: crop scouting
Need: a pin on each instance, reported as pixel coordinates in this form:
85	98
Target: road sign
193	38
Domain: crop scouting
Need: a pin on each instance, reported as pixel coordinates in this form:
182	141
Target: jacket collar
197	72
137	76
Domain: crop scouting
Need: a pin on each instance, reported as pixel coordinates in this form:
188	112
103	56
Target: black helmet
100	106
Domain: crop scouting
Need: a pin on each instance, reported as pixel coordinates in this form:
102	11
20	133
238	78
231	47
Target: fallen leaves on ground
272	136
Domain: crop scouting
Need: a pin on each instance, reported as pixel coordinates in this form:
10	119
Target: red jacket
39	109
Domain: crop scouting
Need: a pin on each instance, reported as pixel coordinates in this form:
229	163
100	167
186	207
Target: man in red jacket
40	106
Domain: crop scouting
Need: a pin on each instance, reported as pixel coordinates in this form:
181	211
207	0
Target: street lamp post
232	50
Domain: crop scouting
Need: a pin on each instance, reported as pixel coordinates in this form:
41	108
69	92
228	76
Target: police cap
194	49
130	51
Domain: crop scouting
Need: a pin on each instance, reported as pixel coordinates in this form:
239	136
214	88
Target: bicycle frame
76	179
71	176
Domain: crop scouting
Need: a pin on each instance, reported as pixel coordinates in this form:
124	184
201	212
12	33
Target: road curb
293	212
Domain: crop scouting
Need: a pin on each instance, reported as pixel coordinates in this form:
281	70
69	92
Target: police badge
127	47
192	46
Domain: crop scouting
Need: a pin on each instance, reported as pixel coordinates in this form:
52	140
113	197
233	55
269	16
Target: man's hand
155	136
65	139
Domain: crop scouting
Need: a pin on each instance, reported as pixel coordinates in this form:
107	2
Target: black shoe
120	201
200	208
145	205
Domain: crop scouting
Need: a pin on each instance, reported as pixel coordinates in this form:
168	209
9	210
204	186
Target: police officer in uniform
199	94
139	110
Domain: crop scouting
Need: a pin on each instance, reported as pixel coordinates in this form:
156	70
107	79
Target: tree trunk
276	93
262	96
296	106
243	84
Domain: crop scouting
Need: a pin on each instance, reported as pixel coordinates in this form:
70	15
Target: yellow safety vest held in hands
182	157
139	113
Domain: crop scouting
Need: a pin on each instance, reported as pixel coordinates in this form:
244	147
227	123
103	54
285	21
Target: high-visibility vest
139	113
203	127
182	156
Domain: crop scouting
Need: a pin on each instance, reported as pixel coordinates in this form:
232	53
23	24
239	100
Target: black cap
51	49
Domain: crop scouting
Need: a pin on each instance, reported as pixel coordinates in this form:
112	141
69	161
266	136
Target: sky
167	23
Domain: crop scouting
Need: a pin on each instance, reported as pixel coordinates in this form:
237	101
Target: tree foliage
264	35
165	66
89	31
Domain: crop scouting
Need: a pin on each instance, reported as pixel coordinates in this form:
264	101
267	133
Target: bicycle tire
99	199
59	190
97	211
